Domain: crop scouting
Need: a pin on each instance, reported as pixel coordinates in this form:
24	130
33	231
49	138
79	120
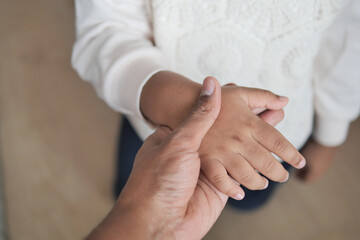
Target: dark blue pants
130	143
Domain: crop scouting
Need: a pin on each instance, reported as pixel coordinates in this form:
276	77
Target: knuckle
254	123
249	179
241	140
218	179
267	93
280	145
202	107
252	151
249	124
223	147
221	183
269	165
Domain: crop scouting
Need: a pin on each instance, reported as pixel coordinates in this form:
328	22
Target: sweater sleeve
114	50
337	78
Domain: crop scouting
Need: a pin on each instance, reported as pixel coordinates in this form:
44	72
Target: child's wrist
167	98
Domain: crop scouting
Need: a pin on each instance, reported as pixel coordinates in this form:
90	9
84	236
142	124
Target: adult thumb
203	114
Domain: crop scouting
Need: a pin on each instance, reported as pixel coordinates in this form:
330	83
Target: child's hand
319	158
240	143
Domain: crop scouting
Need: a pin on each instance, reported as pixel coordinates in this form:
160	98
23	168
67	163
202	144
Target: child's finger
257	111
272	117
272	140
218	176
259	98
262	160
245	174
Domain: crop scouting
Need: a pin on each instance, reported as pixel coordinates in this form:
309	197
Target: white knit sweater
281	45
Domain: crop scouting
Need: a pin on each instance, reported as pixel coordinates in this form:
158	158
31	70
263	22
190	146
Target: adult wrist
139	221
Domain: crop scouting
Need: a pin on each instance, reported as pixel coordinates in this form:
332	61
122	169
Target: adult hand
166	196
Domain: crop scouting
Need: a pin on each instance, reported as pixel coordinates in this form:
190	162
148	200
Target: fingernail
208	87
239	196
287	177
283	98
267	184
302	163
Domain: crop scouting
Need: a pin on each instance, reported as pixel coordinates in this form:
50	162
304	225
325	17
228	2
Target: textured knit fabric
270	44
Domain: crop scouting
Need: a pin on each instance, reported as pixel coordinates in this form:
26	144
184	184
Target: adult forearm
128	222
168	97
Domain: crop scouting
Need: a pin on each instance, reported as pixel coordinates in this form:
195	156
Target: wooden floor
58	142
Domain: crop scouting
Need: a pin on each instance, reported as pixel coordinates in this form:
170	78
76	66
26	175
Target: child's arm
114	50
337	78
167	98
337	90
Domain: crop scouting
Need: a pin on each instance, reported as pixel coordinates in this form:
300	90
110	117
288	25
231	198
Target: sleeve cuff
123	85
330	133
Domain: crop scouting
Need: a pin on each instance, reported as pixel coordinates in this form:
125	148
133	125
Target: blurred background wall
58	142
57	137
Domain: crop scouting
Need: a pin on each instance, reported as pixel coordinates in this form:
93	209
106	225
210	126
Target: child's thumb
204	113
263	99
